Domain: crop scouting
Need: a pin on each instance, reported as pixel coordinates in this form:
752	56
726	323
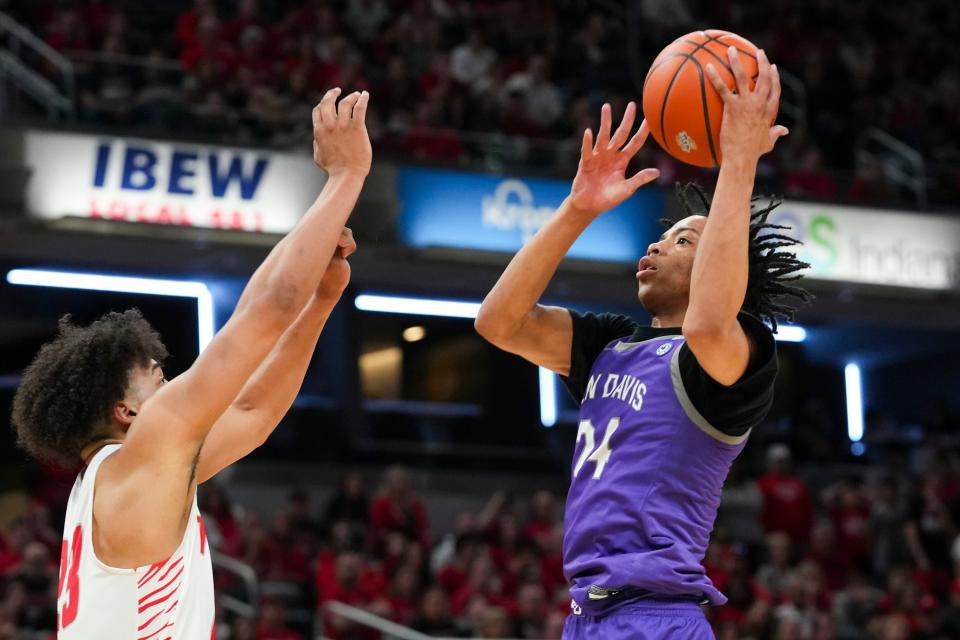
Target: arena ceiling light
417	306
126	284
854	397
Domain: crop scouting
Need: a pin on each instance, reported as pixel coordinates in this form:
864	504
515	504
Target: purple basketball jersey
646	480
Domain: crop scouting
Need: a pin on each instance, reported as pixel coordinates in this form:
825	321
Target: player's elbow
279	304
492	328
703	330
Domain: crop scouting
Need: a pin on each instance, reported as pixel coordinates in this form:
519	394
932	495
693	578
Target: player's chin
645	293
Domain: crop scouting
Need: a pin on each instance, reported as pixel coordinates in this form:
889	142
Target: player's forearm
526	277
273	388
718	281
289	275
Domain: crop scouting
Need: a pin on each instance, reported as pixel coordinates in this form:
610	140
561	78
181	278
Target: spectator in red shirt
349	582
253	56
482	581
66	33
850	512
551	572
273	624
835	564
531	608
398	508
786	499
503	547
435	618
97	16
543	517
403	593
248	14
189	21
809	179
207	45
454	574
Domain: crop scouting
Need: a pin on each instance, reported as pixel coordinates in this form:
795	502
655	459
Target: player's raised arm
511	317
153	474
718	282
268	395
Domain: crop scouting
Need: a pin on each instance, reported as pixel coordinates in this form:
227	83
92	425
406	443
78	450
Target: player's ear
123	413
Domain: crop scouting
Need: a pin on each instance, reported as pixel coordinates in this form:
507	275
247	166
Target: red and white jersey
170	600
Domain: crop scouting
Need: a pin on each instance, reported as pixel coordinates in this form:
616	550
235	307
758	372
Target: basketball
682	108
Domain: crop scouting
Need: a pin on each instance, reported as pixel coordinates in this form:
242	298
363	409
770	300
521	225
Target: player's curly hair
68	392
771	269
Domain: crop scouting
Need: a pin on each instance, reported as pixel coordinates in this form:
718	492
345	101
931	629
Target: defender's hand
747	130
337	275
601	181
340	141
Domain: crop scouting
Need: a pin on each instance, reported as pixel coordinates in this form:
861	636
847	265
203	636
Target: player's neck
665	320
87	453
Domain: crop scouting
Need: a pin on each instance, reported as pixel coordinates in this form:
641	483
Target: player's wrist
571	211
740	162
347	172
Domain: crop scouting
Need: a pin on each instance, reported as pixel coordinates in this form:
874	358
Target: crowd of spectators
871	554
497	82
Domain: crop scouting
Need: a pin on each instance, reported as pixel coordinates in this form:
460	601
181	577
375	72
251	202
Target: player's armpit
543	338
237	433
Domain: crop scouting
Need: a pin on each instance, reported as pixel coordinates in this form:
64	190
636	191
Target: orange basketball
682	108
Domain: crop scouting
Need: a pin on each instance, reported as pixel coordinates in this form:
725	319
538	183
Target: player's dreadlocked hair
69	390
771	269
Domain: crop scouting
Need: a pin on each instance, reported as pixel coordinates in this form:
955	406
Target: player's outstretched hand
337	275
747	129
601	182
340	141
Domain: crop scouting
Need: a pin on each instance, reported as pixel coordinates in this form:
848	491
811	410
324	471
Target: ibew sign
495	213
168	183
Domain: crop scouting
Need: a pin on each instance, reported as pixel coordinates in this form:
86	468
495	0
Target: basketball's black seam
706	114
666	97
725	64
663	62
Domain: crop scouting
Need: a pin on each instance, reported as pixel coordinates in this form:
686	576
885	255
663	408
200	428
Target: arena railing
14	67
390	630
247	576
900	162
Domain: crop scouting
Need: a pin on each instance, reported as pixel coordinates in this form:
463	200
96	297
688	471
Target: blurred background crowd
870	552
504	82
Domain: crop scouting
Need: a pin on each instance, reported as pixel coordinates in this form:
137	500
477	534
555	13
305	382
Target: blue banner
466	210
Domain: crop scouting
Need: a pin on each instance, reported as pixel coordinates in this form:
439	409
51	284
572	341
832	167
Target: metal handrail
794	102
391	630
914	179
166	64
21	36
249	578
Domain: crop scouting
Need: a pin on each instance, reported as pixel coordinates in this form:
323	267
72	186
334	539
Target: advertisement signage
874	246
135	180
497	213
